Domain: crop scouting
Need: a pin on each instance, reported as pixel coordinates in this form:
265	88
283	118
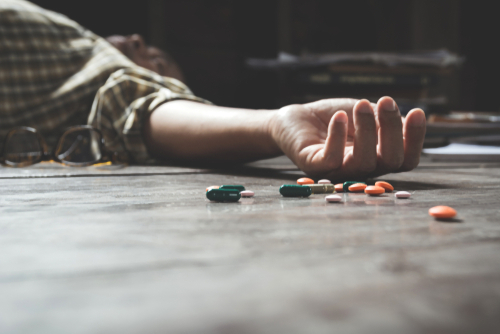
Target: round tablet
442	212
357	187
386	185
324	181
374	190
333	198
305	180
402	194
212	187
339	188
247	193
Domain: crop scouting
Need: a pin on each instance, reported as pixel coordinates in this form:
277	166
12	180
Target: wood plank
148	253
54	169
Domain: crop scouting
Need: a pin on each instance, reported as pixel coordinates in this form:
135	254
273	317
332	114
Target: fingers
414	135
336	140
364	154
399	140
390	134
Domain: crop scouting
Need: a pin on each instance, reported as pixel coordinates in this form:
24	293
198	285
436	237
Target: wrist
271	128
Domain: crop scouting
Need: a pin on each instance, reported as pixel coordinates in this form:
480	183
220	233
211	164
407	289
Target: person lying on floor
54	74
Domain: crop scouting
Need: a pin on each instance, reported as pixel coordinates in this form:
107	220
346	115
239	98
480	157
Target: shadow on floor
291	174
412	185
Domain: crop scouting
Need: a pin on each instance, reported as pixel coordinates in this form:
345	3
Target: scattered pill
386	185
357	187
293	190
333	198
402	194
232	186
347	184
212	187
247	193
374	190
321	188
442	212
324	181
305	180
339	187
223	195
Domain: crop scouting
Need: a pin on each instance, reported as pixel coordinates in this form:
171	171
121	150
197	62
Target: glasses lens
23	148
81	146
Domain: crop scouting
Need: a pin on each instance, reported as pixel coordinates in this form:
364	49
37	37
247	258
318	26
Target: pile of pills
306	187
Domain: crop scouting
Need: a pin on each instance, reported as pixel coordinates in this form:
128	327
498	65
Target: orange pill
339	188
386	185
442	212
305	180
374	190
357	187
212	187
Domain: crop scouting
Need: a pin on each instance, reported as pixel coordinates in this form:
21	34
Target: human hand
350	139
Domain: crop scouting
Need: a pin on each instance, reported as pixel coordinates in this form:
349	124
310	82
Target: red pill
339	188
305	180
386	185
374	190
357	187
442	212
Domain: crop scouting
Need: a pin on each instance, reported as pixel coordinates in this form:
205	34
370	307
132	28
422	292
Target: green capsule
232	186
223	195
294	190
322	188
350	183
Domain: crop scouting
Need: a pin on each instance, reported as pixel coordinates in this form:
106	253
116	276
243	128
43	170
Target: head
149	57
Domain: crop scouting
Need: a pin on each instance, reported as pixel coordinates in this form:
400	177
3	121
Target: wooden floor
140	250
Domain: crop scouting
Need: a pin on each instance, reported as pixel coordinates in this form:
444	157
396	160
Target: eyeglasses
80	145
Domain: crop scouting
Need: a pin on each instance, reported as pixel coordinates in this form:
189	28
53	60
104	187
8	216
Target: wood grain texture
149	254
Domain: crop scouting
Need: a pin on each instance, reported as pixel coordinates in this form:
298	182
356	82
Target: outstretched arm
335	138
189	131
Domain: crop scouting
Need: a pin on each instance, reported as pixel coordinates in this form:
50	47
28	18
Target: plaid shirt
55	74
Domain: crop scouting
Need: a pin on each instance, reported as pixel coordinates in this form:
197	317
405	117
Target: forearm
191	131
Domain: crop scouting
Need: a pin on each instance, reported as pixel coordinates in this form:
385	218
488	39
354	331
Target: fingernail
341	118
393	106
364	107
389	106
418	119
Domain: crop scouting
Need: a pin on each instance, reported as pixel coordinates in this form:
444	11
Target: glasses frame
46	156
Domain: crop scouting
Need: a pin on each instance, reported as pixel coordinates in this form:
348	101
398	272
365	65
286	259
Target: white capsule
247	193
324	181
402	194
333	198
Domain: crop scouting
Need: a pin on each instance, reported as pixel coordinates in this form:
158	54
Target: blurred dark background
211	39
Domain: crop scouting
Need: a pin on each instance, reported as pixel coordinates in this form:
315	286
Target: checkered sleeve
126	100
